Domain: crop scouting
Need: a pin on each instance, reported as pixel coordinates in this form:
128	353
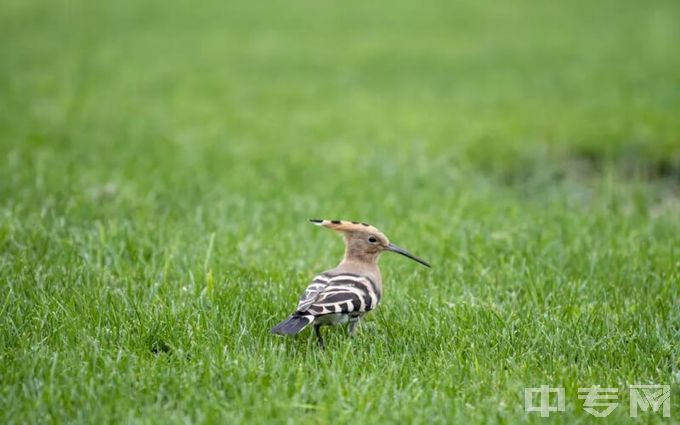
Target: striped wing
345	293
312	292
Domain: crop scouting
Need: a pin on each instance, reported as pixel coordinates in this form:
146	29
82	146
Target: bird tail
292	325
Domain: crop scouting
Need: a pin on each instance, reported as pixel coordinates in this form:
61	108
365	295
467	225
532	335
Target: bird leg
317	331
352	326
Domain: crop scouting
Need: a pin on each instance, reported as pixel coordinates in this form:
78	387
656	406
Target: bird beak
392	247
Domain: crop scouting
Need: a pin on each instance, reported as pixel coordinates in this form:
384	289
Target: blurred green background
159	161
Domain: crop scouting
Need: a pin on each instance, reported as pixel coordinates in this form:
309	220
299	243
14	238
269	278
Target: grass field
159	160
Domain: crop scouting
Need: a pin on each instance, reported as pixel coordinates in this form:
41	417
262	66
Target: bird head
364	242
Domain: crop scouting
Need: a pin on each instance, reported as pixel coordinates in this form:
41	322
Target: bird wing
344	293
312	292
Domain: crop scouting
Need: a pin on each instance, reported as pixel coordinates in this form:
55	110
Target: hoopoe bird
350	290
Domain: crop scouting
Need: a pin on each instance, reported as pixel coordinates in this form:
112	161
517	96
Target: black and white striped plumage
341	293
333	299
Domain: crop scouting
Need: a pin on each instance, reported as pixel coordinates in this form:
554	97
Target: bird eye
372	239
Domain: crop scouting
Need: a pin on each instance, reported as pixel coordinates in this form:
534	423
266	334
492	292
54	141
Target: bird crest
346	226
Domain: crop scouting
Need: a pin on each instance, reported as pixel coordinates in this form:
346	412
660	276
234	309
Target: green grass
158	163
